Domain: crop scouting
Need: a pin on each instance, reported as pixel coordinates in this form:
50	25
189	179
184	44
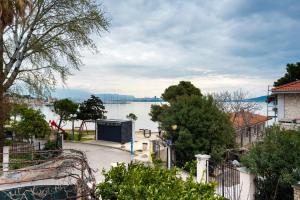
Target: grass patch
80	137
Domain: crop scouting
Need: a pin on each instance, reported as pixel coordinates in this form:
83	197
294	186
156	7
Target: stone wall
292	106
296	192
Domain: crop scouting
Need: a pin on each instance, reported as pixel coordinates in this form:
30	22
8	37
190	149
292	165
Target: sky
218	45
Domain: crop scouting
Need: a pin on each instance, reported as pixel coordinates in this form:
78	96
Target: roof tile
289	87
243	119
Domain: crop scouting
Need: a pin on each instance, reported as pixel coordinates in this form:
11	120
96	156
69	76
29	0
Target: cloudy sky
217	44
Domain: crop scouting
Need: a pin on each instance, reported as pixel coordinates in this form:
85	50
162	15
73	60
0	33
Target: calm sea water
115	111
119	111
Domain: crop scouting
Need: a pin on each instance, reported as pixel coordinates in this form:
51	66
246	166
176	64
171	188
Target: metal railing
227	178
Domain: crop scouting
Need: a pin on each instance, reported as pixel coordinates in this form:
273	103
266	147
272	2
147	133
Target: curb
101	145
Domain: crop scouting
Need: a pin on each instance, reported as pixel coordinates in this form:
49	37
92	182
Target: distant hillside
74	94
81	95
115	97
258	99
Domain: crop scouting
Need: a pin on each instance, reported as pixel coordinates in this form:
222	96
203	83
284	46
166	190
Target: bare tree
70	167
40	39
236	103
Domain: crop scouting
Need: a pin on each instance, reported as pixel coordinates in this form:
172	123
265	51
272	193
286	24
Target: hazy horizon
217	45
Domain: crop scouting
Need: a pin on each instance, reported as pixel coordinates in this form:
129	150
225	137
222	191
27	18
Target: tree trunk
2	78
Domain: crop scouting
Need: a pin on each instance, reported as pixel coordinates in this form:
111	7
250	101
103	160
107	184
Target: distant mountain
74	94
257	99
81	95
115	97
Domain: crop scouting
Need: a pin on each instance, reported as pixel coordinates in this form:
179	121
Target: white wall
292	106
280	106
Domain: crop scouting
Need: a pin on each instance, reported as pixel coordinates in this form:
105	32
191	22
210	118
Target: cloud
220	43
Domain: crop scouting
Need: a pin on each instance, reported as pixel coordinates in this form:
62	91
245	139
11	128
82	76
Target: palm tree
10	11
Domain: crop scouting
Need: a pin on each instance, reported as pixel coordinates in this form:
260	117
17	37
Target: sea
120	111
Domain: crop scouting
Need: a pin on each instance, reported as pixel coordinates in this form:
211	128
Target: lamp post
73	117
132	117
169	144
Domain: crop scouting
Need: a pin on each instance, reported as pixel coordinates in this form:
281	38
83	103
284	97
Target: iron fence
227	178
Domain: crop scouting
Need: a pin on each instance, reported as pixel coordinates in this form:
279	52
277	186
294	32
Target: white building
287	101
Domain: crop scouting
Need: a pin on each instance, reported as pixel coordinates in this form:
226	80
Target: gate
227	178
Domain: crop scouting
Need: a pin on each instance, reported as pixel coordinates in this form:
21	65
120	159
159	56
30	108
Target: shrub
50	145
194	123
275	162
137	181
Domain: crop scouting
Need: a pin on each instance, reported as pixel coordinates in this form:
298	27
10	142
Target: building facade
286	99
249	127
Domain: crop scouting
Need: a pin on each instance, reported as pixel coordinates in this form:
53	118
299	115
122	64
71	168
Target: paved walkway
141	153
100	157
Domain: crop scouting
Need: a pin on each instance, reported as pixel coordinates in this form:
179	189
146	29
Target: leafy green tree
143	182
132	116
194	123
184	88
292	74
91	109
42	38
64	108
32	123
276	163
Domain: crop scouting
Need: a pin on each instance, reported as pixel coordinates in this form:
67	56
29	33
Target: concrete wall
291	106
280	106
257	133
296	192
247	184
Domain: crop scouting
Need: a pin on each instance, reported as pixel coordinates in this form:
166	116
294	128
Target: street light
174	127
73	117
169	143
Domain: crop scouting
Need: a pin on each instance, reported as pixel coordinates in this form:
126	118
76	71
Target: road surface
100	157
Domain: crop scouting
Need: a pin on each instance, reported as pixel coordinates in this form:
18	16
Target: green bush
143	182
32	123
79	136
191	167
194	123
275	162
50	145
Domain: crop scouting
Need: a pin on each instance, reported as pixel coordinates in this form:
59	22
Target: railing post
202	168
5	160
223	180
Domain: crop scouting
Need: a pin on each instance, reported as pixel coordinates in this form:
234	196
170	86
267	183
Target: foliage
91	109
48	38
191	167
184	88
64	108
200	126
143	182
275	161
32	123
292	74
17	109
132	116
50	145
79	136
40	39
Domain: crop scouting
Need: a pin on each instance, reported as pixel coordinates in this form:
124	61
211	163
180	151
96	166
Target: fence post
202	168
247	184
5	160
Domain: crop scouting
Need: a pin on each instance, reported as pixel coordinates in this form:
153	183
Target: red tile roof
290	87
243	119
